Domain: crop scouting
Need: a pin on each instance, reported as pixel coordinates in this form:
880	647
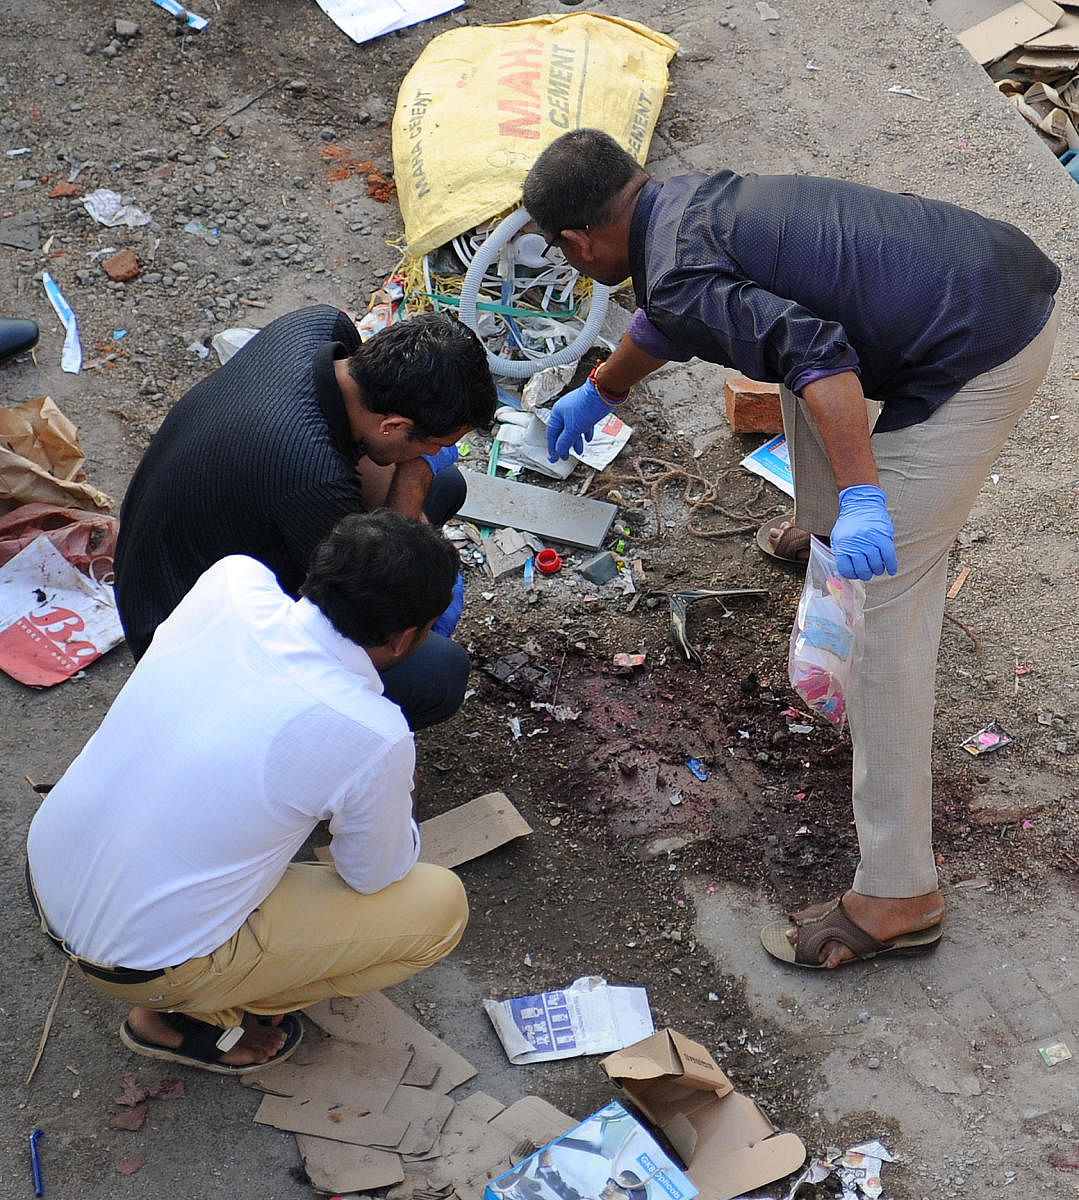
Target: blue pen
35	1163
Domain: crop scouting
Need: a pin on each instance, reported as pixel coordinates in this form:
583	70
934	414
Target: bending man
836	292
302	426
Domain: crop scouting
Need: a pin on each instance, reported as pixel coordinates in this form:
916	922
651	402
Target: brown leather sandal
792	545
832	923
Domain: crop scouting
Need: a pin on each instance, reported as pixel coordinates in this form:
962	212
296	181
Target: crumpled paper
110	208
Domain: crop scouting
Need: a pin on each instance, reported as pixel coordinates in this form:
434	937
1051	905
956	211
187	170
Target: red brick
64	188
752	407
121	266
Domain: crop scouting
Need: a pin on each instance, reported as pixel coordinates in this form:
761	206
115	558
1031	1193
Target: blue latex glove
446	457
573	417
447	623
863	539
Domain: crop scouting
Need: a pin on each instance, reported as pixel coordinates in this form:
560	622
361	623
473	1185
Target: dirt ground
266	128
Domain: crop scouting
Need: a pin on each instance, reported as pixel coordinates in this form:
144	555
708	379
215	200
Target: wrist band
606	395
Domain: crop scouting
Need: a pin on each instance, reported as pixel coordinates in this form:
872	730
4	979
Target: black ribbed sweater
256	459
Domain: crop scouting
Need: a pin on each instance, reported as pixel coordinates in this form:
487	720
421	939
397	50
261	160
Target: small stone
327	133
121	266
296	86
59	80
63	188
126	29
873	1063
112	49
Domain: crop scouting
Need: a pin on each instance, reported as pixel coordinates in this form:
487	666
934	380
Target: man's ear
579	241
393	424
402	641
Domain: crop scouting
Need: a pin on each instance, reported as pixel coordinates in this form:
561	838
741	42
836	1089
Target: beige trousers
931	473
312	938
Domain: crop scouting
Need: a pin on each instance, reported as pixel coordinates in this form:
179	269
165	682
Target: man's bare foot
258	1045
884	917
777	531
788	541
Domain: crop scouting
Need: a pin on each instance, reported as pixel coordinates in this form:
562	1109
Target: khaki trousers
931	473
313	937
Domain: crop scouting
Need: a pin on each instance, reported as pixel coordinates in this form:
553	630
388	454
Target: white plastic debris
110	208
71	356
228	341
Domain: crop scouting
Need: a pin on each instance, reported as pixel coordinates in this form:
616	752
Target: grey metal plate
555	516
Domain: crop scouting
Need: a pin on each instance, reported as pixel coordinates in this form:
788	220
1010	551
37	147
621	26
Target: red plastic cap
548	562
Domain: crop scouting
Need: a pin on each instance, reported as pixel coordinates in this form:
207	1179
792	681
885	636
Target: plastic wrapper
826	641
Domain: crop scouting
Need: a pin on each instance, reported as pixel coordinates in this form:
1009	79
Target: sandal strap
199	1037
833	925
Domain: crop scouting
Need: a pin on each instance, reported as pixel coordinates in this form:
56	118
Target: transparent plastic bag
826	641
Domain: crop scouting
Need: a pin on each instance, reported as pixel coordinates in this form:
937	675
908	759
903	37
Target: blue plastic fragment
697	767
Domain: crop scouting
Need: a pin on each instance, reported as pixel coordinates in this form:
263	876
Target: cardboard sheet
339	1167
464	833
534	1120
337	1071
332	1119
470	830
480	1107
1015	26
425	1114
373	1020
472	1151
1063	36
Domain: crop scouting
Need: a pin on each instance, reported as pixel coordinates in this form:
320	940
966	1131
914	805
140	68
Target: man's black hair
575	180
377	573
431	369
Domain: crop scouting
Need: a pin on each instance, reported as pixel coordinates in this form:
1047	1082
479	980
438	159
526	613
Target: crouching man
161	861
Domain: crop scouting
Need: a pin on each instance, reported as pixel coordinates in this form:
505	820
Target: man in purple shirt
837	292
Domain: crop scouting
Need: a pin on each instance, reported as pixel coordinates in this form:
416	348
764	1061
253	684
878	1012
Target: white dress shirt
249	720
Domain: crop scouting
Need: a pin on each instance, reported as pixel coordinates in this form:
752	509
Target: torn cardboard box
1015	26
727	1143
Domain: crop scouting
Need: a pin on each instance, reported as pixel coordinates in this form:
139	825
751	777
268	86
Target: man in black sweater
302	426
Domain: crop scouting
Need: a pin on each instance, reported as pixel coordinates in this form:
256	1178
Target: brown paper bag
41	459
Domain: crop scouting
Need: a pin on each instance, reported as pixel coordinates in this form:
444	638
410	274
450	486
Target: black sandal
199	1045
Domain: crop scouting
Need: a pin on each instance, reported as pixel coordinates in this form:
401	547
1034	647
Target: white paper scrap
772	461
109	208
71	356
363	20
588	1017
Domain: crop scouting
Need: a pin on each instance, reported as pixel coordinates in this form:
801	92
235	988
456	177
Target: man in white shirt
161	861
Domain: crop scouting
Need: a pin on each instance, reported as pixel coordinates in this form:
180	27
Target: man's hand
447	622
863	539
573	417
446	457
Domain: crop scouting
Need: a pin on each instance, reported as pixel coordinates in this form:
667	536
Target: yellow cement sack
482	101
